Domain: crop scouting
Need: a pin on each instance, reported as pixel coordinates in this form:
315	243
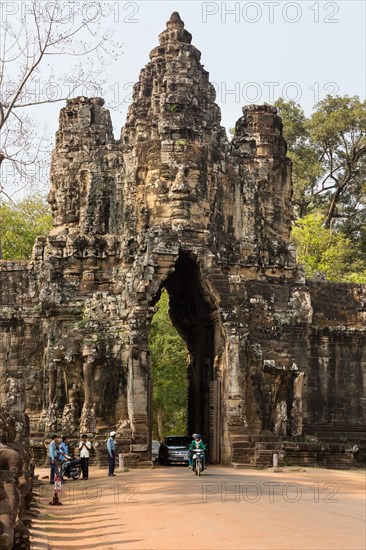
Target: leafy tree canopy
328	153
325	252
169	373
20	224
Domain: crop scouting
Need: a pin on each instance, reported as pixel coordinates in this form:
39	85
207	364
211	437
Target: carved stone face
64	200
185	184
171	192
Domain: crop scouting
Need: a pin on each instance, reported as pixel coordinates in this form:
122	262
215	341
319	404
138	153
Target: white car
174	450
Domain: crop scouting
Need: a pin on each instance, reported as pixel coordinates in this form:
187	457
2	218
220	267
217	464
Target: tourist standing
111	446
84	451
52	457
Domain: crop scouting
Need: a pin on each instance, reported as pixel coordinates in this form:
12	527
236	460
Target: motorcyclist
63	453
63	449
197	443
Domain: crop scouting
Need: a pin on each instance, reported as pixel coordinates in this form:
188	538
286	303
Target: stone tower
173	204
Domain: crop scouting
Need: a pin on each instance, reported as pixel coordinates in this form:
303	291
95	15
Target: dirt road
170	508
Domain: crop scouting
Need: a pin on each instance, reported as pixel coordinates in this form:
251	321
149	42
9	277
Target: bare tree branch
26	43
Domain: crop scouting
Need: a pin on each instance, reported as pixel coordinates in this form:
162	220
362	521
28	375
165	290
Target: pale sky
253	54
255	51
261	50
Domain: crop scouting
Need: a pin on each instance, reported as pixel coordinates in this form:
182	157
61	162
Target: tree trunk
159	419
333	206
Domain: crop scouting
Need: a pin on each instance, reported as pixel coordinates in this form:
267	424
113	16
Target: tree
306	165
20	224
338	130
31	34
169	373
328	151
320	250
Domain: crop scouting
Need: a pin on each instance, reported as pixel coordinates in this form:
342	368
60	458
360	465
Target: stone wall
336	381
173	204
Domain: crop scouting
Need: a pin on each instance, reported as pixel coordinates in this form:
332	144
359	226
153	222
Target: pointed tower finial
175	21
175	31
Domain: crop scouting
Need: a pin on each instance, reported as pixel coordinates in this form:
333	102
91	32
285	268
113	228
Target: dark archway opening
194	316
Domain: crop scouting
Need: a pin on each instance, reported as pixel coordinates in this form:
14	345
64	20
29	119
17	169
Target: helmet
196	436
113	434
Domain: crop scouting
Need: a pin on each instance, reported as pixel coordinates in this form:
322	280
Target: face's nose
180	184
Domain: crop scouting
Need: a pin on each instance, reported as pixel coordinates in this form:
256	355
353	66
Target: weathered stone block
138	448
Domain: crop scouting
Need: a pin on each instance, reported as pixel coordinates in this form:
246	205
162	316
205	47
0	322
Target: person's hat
196	436
113	433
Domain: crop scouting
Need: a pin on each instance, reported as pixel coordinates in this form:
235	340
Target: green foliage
328	152
320	250
20	224
169	373
355	277
84	322
338	131
181	142
306	165
294	122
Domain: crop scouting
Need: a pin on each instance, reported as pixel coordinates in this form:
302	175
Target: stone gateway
274	362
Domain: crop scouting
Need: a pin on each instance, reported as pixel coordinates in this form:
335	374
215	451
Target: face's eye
167	174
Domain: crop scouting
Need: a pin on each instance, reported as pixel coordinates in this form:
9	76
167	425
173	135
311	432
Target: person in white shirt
84	451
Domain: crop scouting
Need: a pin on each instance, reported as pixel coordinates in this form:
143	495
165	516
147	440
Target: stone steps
259	450
337	460
240	445
240	437
298	458
329	432
272	445
265	438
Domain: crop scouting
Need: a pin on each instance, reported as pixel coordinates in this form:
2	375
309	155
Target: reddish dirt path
170	508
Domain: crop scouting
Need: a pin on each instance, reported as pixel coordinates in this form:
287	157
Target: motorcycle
198	461
70	467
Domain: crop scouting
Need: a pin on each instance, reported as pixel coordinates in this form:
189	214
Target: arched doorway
195	316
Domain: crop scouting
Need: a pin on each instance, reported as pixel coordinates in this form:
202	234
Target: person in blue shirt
111	447
63	449
52	458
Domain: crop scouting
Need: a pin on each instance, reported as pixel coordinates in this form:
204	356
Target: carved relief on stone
296	409
280	424
15	473
170	194
87	419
